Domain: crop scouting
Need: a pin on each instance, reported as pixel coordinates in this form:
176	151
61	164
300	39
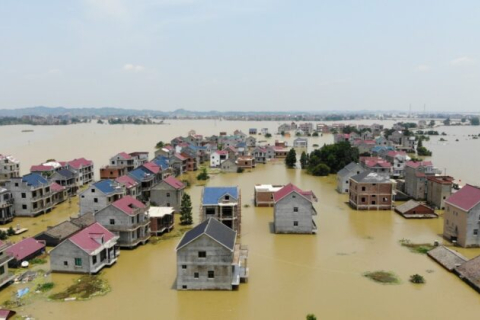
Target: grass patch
86	287
37	261
45	286
175	233
384	277
421	248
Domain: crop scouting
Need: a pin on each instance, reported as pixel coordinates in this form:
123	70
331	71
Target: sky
228	55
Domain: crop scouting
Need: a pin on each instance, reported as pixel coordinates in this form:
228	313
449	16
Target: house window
168	194
184	287
94	259
227	197
168	204
133	219
196	275
385	199
363	199
24	195
295	209
2	269
211	274
16	184
294	196
112	221
475	232
65	263
95	200
202	254
24	206
78	262
363	189
184	266
295	223
93	190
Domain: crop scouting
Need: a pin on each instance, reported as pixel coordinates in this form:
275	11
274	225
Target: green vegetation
203	176
475	121
99	121
10	231
43	287
311	317
442	140
268	135
421	248
3	235
240	170
383	277
282	133
291	158
333	157
175	233
447	121
186	210
315	134
84	288
159	145
37	261
421	150
304	160
432	123
128	120
416	278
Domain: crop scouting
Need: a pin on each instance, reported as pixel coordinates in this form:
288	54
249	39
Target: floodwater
290	275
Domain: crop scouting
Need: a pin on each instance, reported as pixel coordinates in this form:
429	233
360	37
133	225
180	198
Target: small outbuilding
416	210
25	250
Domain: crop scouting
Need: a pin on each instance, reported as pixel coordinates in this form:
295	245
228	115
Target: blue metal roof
140	174
105	186
211	195
66	173
162	161
34	179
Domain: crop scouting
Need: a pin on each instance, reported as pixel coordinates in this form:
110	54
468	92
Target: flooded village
267	239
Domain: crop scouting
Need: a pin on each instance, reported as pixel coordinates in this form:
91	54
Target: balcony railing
129	227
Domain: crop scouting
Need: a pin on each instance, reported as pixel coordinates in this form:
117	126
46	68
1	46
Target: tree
268	135
447	121
335	156
203	175
311	317
3	235
240	170
10	231
315	134
159	145
320	169
99	121
463	120
291	158
282	133
475	121
304	160
432	123
186	210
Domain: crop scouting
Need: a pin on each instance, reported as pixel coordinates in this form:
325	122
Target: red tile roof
289	188
79	163
416	164
174	182
25	248
153	167
89	239
466	198
41	168
127	181
224	152
180	157
124	155
395	153
56	187
128	204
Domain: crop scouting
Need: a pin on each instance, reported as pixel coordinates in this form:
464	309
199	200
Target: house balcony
41	196
128	228
134	242
5	258
6	278
6	203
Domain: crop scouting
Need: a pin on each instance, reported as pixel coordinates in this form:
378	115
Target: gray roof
372	177
84	221
351	168
446	257
470	271
62	230
215	230
409	205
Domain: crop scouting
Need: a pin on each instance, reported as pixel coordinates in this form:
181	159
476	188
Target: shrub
240	170
10	232
416	278
320	170
203	175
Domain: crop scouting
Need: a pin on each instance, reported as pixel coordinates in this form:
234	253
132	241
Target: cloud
133	68
423	68
463	61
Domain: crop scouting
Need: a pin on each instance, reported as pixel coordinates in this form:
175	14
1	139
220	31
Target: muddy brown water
290	275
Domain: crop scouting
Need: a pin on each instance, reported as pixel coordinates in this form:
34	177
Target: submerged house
263	194
415	210
168	193
128	219
209	258
32	195
344	175
53	236
461	219
161	220
9	167
371	191
223	204
229	165
6	206
5	276
87	251
99	195
294	210
25	250
217	157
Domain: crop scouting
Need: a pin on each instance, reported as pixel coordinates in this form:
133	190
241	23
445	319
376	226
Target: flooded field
290	275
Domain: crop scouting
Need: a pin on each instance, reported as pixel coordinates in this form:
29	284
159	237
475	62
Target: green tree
159	145
304	160
475	121
203	175
315	134
99	121
10	232
320	169
268	135
335	156
447	121
3	235
432	123
311	317
282	133
291	158
463	120
186	210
